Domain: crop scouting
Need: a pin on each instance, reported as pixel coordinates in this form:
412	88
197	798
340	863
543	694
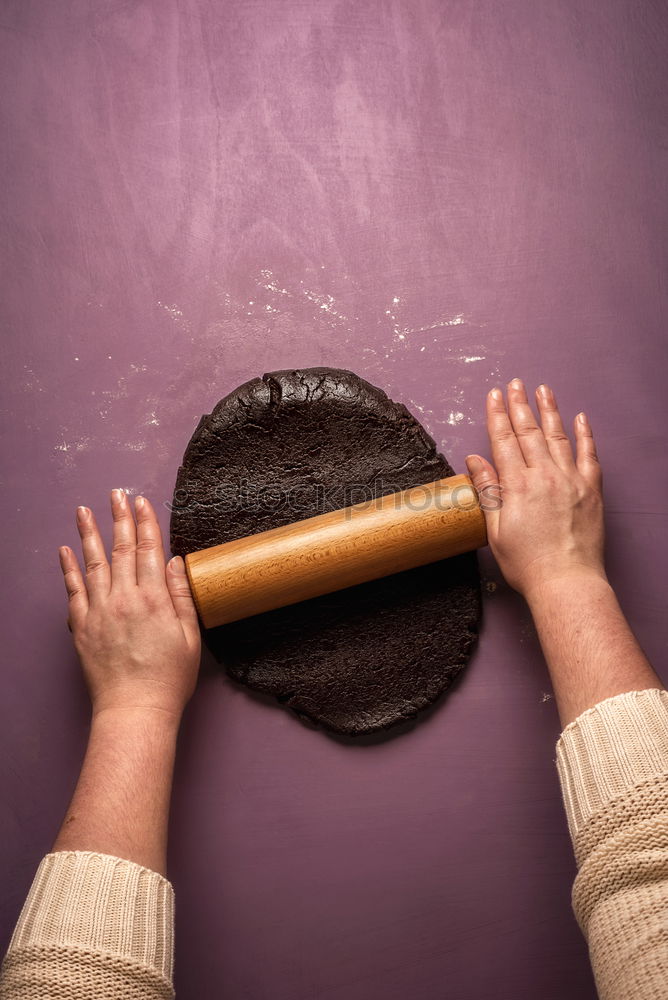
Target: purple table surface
439	196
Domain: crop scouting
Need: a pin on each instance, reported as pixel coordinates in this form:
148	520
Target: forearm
589	647
98	919
121	802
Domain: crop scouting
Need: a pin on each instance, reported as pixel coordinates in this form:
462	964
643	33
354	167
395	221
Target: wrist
572	582
135	717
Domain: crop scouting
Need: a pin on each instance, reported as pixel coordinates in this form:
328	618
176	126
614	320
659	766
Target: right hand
550	521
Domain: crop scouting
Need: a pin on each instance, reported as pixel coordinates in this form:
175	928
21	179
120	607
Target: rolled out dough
293	444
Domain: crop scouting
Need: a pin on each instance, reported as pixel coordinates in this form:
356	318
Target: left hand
134	622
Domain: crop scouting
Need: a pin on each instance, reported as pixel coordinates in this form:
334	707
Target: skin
135	627
548	539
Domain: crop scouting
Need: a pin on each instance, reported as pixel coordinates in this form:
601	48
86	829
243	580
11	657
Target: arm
135	629
589	647
548	539
612	755
99	916
121	802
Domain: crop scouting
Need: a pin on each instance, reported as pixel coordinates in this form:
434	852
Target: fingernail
582	419
139	503
496	394
117	496
516	383
175	562
473	463
546	393
82	513
62	551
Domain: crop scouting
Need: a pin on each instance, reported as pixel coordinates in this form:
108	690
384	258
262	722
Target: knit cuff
611	748
103	903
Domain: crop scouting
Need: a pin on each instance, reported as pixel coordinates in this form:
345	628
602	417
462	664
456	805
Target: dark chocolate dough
293	444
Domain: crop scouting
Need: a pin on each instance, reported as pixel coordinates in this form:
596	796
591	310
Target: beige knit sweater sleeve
613	768
94	927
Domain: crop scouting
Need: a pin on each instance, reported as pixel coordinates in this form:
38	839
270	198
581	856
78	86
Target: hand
134	623
550	520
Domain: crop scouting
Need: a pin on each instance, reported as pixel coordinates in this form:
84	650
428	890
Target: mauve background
439	196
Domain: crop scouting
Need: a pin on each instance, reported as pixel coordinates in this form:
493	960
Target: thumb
181	595
486	481
481	471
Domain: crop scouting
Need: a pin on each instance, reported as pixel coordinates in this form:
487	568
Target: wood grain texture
339	549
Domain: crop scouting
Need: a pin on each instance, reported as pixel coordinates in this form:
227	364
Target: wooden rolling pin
335	550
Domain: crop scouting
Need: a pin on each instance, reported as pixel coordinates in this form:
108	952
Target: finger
182	598
586	460
150	552
98	573
529	435
123	552
75	585
557	440
506	453
484	478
